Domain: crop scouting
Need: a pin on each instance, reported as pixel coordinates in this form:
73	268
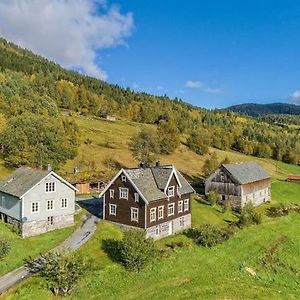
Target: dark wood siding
165	202
123	215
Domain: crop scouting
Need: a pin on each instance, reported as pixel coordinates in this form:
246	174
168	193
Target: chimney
157	164
49	168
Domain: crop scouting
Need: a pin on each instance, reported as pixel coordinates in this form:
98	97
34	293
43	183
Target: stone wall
41	226
168	228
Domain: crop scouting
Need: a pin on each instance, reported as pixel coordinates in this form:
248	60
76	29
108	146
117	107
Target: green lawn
32	246
270	250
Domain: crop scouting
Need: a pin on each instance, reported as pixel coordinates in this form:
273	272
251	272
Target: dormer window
171	190
123	178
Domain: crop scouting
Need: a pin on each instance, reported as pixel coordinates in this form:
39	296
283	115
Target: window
171	209
49	204
223	197
64	203
34	207
124	193
152	214
50	187
181	221
50	220
123	178
171	190
111	193
113	209
134	214
186	204
157	230
180	206
136	197
160	212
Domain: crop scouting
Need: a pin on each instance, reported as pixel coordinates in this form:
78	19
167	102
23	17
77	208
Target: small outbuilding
240	183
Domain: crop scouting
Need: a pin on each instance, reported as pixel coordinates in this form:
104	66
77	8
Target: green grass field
270	250
32	246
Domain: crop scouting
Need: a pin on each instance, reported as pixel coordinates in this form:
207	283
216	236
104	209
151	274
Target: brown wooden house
156	199
240	183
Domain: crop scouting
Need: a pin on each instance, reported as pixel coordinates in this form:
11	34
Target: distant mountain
254	109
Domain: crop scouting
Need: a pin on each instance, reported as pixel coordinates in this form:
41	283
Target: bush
60	269
134	251
212	198
208	235
275	212
249	216
4	247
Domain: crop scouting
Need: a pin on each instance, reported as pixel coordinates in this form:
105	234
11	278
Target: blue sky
229	51
210	53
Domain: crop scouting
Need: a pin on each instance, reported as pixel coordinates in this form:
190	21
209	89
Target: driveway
76	240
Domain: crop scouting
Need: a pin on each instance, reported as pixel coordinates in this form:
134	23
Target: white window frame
122	192
169	206
64	201
186	204
180	206
50	187
50	220
37	206
181	221
134	211
136	197
111	193
160	214
112	206
51	202
171	188
123	178
153	214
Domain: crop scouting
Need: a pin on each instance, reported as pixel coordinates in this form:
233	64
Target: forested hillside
254	109
34	92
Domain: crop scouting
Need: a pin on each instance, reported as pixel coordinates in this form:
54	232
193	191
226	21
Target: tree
168	135
4	247
212	198
144	146
210	164
60	269
199	141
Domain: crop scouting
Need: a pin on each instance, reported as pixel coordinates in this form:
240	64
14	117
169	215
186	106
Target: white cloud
69	32
202	86
296	96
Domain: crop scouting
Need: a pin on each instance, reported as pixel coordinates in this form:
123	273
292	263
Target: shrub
4	247
208	235
134	251
212	198
60	269
277	211
249	216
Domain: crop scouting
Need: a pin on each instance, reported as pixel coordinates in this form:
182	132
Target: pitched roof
23	179
245	173
151	182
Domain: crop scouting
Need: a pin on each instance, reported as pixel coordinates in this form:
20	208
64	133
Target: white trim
145	216
123	190
49	185
174	172
61	202
129	179
50	209
38	207
131	213
181	202
123	178
57	177
186	201
169	205
109	211
111	193
151	211
173	189
163	208
103	207
136	197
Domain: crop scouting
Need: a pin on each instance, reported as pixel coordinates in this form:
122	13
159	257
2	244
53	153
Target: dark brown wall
165	203
123	206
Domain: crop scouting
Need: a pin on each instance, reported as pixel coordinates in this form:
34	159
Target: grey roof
23	179
152	181
246	172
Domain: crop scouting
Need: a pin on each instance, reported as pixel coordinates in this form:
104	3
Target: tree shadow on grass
112	248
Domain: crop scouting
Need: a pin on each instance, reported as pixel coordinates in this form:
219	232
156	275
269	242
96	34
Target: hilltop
255	110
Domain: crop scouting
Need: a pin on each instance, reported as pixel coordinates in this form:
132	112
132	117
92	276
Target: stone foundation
41	226
169	228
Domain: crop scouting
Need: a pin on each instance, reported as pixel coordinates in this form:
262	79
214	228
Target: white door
171	228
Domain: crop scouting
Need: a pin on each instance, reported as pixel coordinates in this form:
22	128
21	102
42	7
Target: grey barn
240	183
36	201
